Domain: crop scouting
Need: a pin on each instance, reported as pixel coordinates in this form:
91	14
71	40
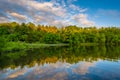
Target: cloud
81	19
83	68
3	19
54	12
48	71
17	73
18	16
77	8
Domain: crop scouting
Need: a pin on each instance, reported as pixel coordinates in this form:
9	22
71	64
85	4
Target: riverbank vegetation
15	34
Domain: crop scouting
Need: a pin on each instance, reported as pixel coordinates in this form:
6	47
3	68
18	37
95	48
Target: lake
62	63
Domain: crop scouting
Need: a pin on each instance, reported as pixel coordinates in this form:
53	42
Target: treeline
31	33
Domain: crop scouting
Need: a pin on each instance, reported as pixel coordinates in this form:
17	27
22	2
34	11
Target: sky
62	12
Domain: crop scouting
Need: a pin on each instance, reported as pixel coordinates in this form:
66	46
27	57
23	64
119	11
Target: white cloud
18	16
48	71
81	19
3	19
83	68
17	73
77	8
55	12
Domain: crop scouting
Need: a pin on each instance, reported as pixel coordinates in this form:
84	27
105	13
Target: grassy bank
14	46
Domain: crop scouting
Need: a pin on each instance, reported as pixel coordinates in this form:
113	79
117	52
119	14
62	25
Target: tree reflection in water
67	63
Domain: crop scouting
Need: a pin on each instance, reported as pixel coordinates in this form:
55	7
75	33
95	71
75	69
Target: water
62	63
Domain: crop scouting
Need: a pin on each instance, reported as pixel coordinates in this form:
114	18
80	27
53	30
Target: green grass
14	46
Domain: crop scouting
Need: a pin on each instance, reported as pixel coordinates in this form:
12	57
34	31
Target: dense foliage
30	33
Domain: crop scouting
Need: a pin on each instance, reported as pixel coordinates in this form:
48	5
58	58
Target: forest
72	35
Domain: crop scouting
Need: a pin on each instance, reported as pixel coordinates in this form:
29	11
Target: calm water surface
62	63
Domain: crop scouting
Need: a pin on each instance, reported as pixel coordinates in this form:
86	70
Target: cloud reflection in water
49	71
